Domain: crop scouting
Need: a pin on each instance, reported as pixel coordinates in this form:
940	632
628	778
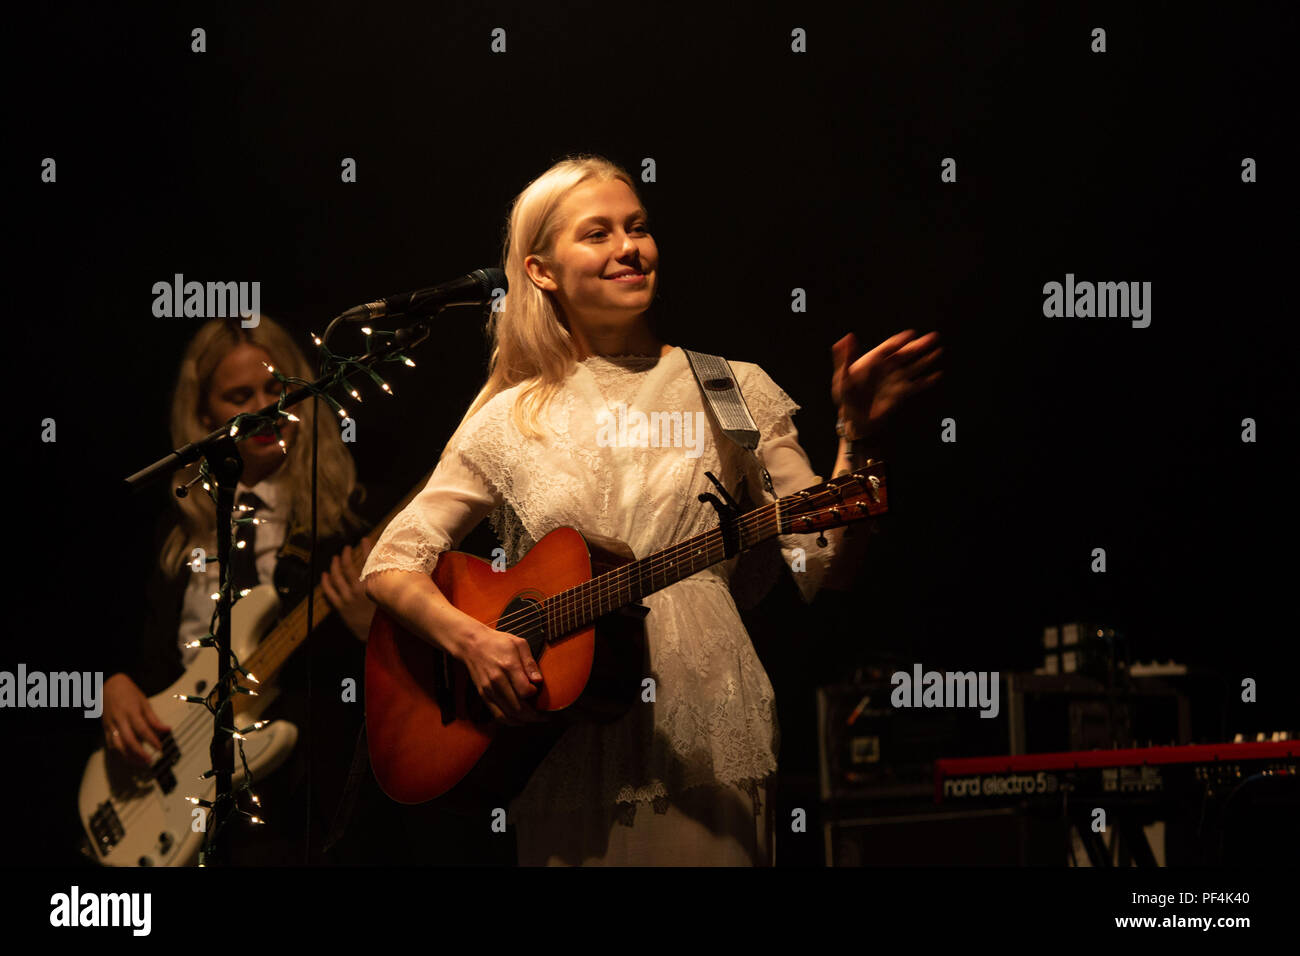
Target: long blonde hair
336	474
530	342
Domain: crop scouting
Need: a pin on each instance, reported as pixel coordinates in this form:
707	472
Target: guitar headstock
852	497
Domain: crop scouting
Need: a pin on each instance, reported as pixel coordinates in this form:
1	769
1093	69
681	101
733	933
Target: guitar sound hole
523	619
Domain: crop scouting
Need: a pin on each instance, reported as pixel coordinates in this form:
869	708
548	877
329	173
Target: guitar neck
578	607
286	637
850	497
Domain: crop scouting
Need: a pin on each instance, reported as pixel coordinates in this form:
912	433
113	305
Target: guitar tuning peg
821	539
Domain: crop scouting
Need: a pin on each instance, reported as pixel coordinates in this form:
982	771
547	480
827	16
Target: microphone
473	289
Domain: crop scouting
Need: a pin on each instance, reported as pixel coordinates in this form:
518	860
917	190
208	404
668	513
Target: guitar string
612	582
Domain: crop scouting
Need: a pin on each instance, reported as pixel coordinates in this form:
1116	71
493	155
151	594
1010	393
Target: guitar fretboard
577	607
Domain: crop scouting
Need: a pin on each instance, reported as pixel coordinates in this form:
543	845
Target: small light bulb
244	592
367	330
215	595
410	363
241	544
234	430
292	417
385	387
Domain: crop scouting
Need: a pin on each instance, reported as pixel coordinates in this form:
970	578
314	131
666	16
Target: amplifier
869	749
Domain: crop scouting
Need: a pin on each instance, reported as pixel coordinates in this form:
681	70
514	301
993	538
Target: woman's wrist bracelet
856	447
844	428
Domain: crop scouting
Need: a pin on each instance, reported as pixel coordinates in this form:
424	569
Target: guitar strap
725	402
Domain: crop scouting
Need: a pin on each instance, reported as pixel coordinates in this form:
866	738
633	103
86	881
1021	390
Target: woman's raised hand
868	389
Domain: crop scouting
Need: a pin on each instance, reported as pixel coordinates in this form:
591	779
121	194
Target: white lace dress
685	779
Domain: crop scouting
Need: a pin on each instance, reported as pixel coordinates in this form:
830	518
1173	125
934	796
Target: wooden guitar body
134	816
428	728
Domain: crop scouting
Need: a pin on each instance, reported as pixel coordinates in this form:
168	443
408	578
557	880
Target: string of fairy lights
335	371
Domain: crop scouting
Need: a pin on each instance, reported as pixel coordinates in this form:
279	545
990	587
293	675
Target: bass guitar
141	816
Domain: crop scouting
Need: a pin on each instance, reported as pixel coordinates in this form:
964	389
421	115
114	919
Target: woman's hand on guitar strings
504	673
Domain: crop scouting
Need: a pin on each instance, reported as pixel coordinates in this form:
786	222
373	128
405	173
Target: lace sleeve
791	471
456	498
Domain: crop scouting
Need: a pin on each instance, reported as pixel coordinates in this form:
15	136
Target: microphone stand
226	465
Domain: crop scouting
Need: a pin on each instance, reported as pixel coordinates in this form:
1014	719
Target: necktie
243	561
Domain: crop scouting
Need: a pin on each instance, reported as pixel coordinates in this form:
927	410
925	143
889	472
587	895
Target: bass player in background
221	375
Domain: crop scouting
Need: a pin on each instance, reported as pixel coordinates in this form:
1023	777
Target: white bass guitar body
141	816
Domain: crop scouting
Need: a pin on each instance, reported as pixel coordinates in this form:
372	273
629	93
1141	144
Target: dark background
774	171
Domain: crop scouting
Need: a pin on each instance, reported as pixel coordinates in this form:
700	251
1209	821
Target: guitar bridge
106	828
444	687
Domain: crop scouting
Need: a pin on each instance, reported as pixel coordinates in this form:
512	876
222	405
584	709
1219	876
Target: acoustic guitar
575	598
